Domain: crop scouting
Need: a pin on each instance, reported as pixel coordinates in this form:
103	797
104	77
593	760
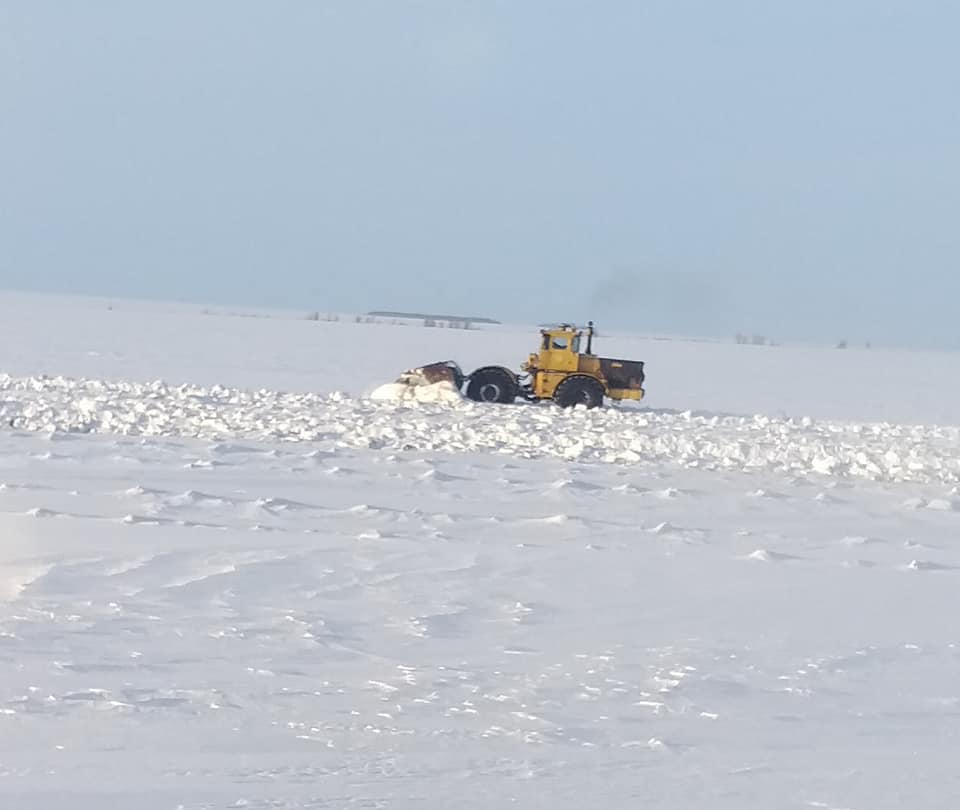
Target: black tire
579	390
492	384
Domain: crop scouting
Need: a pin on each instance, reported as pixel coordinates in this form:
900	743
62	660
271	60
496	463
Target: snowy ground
214	597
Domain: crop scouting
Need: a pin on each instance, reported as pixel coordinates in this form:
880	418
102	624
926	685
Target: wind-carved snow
881	452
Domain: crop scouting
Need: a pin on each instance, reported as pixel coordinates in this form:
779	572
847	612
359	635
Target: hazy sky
791	168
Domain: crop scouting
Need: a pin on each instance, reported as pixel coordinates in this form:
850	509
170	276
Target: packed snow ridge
883	452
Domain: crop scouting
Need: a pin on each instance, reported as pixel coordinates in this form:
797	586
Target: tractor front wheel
492	384
579	390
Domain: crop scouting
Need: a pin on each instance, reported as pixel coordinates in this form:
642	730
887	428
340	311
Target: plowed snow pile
439	392
799	447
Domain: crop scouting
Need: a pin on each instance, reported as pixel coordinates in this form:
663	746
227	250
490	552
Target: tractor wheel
492	384
579	389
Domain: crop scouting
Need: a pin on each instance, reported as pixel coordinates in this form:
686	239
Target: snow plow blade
432	373
435	382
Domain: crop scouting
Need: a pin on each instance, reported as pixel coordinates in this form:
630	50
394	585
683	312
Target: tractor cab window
559	344
575	347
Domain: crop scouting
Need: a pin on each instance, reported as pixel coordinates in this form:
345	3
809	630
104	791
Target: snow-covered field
229	579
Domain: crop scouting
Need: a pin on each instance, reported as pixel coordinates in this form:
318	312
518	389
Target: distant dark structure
464	321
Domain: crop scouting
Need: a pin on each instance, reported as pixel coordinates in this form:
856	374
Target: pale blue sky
791	168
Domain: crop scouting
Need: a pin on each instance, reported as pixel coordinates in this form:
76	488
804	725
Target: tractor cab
560	340
560	349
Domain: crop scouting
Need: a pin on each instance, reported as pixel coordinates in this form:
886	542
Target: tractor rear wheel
492	384
578	389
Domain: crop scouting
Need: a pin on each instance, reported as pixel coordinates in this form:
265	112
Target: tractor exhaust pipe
589	337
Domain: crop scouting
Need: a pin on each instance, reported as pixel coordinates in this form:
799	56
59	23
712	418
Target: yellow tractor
562	370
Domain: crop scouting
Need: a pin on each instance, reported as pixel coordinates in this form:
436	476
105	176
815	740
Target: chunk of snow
442	392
